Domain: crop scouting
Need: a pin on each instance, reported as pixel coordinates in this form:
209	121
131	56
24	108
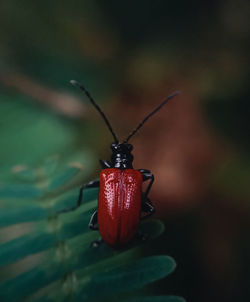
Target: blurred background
130	55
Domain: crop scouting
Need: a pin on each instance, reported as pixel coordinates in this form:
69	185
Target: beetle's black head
121	155
122	147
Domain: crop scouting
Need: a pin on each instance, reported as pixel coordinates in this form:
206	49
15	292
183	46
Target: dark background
130	55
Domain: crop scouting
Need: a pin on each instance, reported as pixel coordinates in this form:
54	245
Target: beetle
121	202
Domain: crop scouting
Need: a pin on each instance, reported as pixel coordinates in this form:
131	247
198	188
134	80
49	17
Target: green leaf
20	191
27	211
124	278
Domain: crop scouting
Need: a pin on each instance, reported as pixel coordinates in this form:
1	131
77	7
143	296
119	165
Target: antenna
75	83
151	114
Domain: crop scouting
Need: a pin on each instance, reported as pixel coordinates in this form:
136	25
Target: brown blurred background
130	55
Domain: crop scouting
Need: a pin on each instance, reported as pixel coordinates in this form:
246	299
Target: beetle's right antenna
75	83
150	114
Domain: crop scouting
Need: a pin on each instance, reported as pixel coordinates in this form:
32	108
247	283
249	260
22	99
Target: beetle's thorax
121	157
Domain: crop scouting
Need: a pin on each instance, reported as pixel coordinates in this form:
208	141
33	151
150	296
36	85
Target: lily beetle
121	202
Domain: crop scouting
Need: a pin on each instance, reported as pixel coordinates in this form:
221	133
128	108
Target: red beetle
121	201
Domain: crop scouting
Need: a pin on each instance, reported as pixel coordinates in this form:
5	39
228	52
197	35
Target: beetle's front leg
92	184
105	164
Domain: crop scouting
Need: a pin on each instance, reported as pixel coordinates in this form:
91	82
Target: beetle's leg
144	171
92	184
105	164
93	222
147	207
146	175
97	242
141	236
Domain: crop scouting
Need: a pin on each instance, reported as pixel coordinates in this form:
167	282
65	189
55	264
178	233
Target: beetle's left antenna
75	83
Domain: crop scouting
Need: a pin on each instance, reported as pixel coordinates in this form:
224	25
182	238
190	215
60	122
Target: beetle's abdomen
119	205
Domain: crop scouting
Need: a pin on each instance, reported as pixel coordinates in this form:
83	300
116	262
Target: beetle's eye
113	146
130	147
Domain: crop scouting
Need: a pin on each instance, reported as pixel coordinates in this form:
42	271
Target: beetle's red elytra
119	205
121	202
